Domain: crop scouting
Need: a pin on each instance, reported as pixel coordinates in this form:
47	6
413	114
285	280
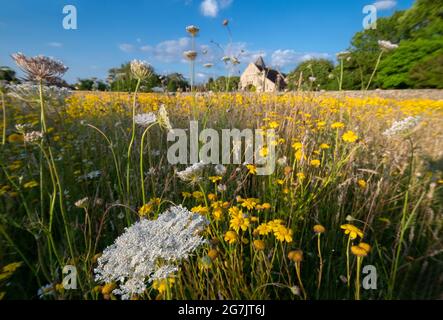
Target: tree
222	84
121	79
175	82
412	65
7	74
320	69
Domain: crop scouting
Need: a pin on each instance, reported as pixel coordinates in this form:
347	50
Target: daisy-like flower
361	250
387	46
352	231
135	257
140	69
231	237
283	234
239	221
145	119
40	68
350	137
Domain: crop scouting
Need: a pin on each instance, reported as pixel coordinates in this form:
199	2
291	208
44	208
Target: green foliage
91	85
7	74
221	83
175	82
409	59
419	31
321	69
121	79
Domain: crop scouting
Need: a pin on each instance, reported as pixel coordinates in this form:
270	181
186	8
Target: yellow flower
15	138
315	163
30	184
249	203
198	195
352	230
264	152
11	267
361	250
213	254
324	146
259	245
350	137
252	169
301	176
163	284
299	155
283	234
215	179
296	256
186	194
145	210
273	125
200	210
231	237
362	183
318	228
337	125
239	222
212	197
108	288
297	145
217	214
263	229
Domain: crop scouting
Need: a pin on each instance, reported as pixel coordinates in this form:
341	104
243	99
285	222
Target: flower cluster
149	250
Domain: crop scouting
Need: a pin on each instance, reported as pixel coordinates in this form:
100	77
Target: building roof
273	75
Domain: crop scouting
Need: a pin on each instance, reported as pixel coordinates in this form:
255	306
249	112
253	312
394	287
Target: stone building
258	77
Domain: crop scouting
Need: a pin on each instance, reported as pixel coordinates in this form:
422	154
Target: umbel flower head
40	68
140	69
190	55
150	250
387	45
145	119
192	174
192	30
163	118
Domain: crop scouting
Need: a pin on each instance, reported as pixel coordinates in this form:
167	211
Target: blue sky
111	32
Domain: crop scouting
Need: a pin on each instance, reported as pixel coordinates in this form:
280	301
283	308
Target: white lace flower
145	119
193	173
403	126
387	45
150	250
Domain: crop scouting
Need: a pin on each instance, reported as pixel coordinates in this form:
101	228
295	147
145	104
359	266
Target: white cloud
126	47
55	44
289	58
211	8
385	4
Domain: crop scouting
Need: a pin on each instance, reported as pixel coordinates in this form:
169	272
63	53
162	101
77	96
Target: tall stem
128	165
348	268
320	272
341	75
142	178
4	118
357	279
375	70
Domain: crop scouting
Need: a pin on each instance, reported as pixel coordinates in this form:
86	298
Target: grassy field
352	188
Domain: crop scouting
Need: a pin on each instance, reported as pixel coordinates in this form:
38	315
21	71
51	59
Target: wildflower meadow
139	195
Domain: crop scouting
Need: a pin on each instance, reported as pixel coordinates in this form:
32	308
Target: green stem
128	166
4	118
142	180
375	70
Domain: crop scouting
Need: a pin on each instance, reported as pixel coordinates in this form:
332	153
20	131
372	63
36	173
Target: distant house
258	77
